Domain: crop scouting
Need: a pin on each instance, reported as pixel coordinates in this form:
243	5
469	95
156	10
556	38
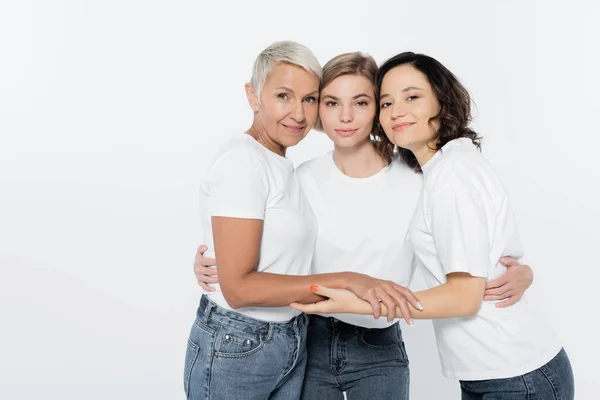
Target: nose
297	112
346	114
397	111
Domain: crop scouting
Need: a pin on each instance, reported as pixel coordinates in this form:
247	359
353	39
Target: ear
252	98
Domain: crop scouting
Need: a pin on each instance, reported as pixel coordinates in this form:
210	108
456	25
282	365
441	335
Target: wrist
352	279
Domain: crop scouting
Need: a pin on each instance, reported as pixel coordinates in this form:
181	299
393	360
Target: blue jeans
553	381
231	356
365	363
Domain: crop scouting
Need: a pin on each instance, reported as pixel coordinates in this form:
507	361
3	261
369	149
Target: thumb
509	262
202	249
322	290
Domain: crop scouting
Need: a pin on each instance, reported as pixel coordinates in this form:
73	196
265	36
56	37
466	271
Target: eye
331	103
386	105
362	103
283	96
412	98
311	99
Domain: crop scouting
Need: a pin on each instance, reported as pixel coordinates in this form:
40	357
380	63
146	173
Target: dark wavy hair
455	104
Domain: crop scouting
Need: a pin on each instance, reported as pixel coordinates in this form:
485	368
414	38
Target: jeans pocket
382	339
199	341
237	343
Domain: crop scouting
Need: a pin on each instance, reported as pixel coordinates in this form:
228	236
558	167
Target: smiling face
408	107
347	110
288	105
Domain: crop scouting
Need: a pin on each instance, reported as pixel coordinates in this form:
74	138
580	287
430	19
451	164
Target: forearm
263	289
444	301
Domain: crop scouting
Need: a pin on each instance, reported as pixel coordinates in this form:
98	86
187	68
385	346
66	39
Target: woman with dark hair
462	225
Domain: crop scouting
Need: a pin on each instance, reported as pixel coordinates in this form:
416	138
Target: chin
291	141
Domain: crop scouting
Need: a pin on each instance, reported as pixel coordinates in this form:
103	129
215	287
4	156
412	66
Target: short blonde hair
282	52
358	64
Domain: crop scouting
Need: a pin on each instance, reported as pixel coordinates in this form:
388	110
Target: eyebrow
290	90
406	89
358	96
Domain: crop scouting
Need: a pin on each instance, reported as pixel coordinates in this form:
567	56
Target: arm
373	290
237	247
460	296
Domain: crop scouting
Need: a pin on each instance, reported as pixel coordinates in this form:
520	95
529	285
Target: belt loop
269	332
208	311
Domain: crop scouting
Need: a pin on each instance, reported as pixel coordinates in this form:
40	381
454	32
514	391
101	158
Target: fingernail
314	288
419	305
411	323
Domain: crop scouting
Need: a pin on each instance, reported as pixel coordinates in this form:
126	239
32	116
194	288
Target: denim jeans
231	356
365	363
553	381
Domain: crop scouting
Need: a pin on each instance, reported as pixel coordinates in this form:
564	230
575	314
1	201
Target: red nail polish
314	288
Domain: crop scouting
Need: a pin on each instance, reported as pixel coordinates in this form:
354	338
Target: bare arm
460	296
237	246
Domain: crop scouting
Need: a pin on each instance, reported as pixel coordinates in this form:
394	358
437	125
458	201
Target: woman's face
407	104
288	104
347	110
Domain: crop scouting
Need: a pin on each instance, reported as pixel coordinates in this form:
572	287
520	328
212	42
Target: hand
338	301
510	286
205	274
389	293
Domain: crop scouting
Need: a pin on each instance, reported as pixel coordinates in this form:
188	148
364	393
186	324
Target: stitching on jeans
526	386
191	367
554	387
210	364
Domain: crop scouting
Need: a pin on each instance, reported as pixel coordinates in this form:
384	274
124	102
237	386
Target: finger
407	294
312	308
205	262
322	290
389	303
402	306
206	286
509	262
208	278
203	270
498	282
375	305
406	313
497	292
201	249
502	296
509	302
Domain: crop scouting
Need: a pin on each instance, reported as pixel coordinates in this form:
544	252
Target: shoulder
314	167
399	169
240	151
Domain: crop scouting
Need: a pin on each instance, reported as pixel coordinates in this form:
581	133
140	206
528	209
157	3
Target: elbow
471	307
234	297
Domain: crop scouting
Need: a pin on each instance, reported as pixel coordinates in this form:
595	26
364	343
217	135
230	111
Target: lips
295	129
401	126
346	132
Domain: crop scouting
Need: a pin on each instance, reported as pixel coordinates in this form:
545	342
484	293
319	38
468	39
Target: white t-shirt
362	223
246	180
464	223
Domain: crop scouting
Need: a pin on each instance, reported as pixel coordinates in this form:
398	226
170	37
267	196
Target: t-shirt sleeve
459	224
238	185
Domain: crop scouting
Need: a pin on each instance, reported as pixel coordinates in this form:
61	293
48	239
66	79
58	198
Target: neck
360	161
258	132
425	152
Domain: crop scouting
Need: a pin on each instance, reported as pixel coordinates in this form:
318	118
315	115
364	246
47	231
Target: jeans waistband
331	323
210	311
